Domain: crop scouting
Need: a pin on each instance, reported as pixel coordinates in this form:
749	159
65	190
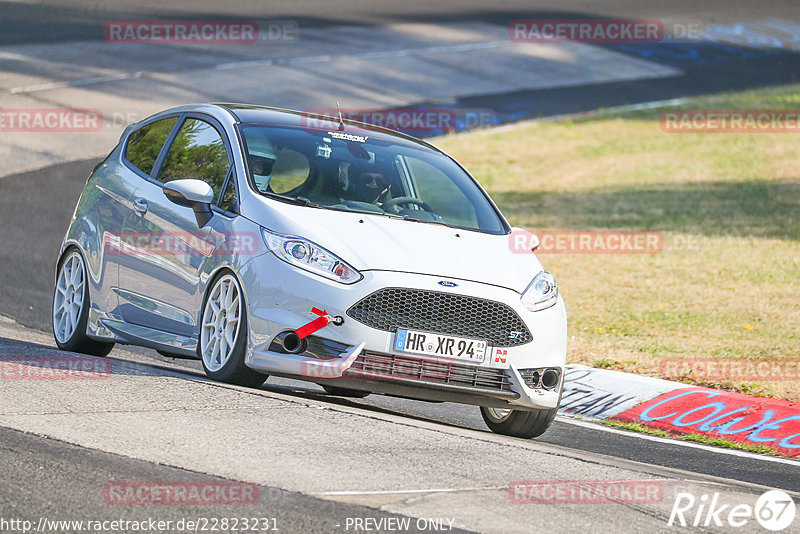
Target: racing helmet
262	158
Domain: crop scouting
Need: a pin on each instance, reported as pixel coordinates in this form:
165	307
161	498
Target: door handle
140	206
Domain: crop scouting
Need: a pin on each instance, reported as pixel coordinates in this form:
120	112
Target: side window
198	153
439	191
145	144
228	201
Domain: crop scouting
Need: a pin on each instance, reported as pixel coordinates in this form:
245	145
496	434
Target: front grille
378	366
442	313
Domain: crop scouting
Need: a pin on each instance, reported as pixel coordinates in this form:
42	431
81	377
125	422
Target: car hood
375	242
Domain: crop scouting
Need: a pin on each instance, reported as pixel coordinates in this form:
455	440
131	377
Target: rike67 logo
774	511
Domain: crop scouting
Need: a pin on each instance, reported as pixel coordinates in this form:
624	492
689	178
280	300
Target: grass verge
727	285
699	438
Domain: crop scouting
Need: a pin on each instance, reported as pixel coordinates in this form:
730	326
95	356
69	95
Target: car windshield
362	173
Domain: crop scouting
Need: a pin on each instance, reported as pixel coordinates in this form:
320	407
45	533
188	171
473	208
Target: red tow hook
318	323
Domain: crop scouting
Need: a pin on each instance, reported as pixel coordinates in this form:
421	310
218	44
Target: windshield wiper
414	219
303	201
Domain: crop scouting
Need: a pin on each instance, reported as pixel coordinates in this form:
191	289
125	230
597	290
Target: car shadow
23	360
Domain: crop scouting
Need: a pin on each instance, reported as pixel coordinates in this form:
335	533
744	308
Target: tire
223	341
71	305
345	392
518	423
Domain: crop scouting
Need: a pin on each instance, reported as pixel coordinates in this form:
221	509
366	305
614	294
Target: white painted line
75	83
678	442
398	492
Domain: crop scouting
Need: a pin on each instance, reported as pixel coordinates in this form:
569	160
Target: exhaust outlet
549	379
292	343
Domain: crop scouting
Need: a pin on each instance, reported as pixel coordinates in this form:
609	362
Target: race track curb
600	394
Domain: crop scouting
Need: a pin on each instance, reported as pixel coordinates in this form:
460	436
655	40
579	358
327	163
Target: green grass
605	363
735	198
636	427
699	438
728	443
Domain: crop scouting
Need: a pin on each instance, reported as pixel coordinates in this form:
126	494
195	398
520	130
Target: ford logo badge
447	283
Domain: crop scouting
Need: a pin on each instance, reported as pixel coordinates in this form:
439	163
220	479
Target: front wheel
71	308
223	335
518	423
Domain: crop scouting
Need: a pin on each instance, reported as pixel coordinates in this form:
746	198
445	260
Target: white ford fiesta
272	242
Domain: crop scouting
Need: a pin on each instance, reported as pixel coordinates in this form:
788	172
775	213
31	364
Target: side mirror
195	194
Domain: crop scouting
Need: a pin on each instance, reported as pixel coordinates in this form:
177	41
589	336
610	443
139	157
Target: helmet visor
260	165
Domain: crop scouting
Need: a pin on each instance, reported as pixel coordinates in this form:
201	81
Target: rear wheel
71	308
518	423
223	335
345	392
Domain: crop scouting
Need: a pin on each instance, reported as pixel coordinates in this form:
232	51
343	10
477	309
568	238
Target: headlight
541	293
311	257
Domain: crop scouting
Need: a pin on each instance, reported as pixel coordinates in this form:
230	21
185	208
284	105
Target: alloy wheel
68	299
220	323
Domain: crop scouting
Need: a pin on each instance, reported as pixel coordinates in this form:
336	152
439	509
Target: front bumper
356	356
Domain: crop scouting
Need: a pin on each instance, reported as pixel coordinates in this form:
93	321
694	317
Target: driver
262	159
368	184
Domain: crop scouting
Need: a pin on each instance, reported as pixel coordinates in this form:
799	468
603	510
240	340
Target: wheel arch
66	248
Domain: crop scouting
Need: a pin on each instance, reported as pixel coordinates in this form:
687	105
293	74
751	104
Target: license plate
438	345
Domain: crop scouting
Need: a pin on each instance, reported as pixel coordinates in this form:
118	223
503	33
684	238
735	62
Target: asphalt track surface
707	67
44	476
62	21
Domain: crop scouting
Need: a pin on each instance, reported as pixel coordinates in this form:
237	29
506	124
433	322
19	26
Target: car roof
246	113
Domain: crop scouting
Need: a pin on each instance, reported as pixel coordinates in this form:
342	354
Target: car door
159	278
138	156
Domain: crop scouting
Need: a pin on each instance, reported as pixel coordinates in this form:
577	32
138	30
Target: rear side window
198	152
145	144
